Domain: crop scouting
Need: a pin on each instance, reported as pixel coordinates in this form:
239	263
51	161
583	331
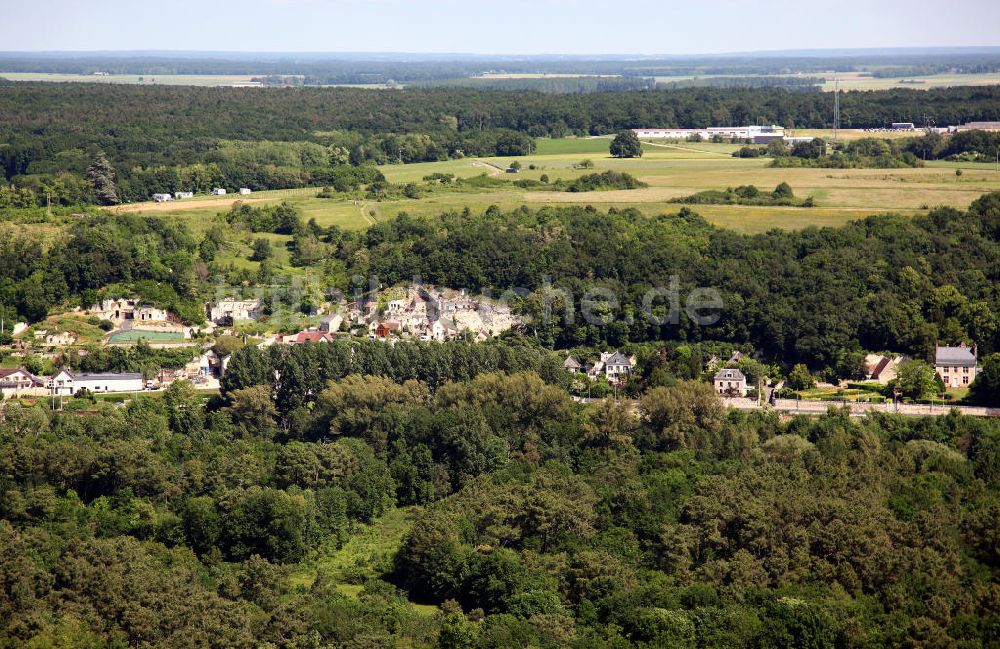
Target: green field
671	170
364	556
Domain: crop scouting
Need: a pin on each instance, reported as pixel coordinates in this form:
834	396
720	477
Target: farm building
67	383
162	198
737	132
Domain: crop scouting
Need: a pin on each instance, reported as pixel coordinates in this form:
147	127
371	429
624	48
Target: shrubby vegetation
747	195
964	146
604	181
154	257
861	153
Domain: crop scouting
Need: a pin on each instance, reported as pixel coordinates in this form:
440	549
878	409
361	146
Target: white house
218	191
67	383
162	198
18	379
180	195
243	191
956	365
730	381
617	367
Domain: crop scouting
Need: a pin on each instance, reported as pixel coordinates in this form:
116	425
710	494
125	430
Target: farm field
862	81
149	79
855	81
672	170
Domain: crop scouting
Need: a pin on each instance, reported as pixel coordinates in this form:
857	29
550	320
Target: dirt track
169	206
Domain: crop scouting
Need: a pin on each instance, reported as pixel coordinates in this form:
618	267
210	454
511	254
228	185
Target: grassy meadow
145	79
671	170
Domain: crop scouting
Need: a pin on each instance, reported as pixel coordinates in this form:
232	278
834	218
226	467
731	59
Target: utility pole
836	108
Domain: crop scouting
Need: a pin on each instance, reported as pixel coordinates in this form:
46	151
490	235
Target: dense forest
882	283
529	520
292	137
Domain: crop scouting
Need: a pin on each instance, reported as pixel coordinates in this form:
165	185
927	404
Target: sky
494	26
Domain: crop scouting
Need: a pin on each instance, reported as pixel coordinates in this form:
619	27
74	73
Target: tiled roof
955	357
729	374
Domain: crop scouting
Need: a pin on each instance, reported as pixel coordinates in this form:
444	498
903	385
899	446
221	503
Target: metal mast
836	108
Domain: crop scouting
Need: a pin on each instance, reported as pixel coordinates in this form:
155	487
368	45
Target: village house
730	381
14	382
385	329
956	365
330	323
308	336
572	365
431	331
882	369
615	366
618	367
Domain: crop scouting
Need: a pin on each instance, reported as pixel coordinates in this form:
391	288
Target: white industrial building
738	132
67	383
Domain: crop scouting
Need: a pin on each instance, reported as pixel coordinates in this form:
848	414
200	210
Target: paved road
793	406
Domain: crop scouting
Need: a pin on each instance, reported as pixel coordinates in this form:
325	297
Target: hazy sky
494	26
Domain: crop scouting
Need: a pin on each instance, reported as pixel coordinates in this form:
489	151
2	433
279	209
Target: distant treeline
794	83
282	137
318	70
562	85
